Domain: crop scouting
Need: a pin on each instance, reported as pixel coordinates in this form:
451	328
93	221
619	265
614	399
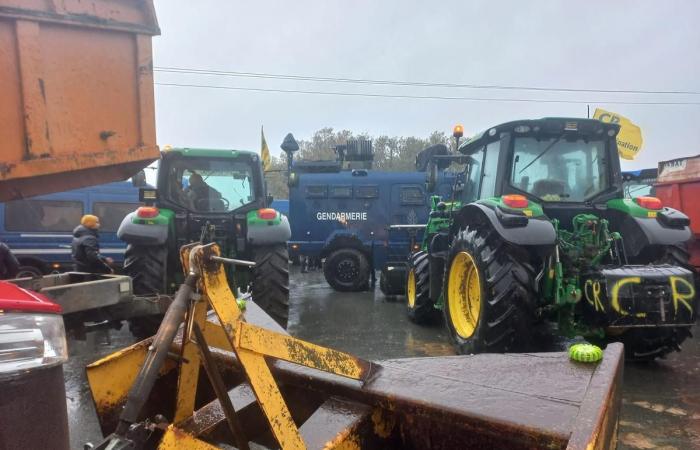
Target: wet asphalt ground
661	400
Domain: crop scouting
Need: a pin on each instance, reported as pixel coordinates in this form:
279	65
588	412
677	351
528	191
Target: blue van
39	230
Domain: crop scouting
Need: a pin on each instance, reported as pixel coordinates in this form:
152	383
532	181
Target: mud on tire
506	283
271	281
147	267
419	307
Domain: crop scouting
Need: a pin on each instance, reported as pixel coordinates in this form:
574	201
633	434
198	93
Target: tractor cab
565	165
210	181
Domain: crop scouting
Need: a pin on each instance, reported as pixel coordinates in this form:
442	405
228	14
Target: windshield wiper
543	152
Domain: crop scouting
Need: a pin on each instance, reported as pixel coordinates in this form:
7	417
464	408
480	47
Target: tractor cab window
559	169
211	185
472	177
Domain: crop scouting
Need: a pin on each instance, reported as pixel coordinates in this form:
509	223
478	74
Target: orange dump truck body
678	186
76	83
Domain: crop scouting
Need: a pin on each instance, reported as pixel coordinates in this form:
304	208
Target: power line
262	75
421	97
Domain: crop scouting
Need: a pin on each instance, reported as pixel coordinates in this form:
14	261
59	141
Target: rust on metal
69	77
270	384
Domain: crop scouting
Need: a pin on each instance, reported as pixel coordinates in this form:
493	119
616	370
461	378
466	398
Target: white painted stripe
37	235
60	251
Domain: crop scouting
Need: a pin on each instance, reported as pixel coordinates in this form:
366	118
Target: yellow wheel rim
411	289
464	295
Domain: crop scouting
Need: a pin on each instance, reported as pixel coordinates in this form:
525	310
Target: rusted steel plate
335	424
76	79
513	401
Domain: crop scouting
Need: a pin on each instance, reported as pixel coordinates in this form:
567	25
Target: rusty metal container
76	83
678	186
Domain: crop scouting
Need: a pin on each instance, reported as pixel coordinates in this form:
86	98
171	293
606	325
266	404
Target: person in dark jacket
86	247
9	266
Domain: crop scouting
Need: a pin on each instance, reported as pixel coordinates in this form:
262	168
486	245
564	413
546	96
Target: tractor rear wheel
347	270
489	294
646	344
419	307
271	281
147	267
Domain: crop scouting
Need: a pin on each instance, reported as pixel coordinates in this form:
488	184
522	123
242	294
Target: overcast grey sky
621	45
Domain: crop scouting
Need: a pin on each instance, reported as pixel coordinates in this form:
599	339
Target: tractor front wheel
419	307
489	294
347	270
271	281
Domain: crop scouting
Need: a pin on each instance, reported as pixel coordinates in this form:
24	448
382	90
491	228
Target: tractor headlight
31	340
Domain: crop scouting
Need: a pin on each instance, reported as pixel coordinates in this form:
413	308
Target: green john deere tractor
208	195
538	232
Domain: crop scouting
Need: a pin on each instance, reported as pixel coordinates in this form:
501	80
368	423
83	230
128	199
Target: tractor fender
641	232
267	232
142	234
527	232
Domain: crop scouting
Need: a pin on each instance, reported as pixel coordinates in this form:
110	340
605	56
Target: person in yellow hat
86	247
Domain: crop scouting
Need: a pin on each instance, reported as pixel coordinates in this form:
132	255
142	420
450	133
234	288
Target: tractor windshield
209	185
558	168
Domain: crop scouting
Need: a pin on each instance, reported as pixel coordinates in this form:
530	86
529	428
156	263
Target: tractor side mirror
139	179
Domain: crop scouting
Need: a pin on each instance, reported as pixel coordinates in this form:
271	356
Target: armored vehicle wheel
271	281
347	270
147	267
489	298
419	307
646	344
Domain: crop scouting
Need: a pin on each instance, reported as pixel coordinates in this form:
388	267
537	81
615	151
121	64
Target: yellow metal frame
411	288
250	343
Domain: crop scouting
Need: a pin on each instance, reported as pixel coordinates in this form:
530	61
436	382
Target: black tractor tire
390	286
147	266
27	271
419	307
505	286
647	344
347	270
271	281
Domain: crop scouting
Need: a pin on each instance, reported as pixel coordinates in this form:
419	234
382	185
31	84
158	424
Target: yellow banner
629	139
264	152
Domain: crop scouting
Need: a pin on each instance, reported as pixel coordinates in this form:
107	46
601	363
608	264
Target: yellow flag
629	139
264	152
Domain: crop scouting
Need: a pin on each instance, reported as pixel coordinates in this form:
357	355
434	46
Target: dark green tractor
208	195
538	232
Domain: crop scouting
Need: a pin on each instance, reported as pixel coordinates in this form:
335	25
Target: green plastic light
585	353
241	304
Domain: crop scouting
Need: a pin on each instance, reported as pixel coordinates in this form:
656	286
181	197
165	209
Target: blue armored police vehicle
341	211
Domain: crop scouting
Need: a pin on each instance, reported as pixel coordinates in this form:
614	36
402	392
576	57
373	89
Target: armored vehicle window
367	191
42	215
341	191
316	191
558	169
412	195
111	214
